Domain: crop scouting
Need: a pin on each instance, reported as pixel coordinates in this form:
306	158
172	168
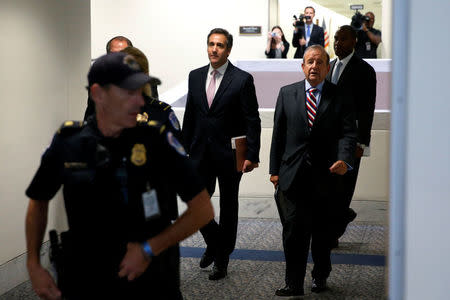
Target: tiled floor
358	263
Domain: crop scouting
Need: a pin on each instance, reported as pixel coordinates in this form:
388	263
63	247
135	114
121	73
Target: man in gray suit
313	143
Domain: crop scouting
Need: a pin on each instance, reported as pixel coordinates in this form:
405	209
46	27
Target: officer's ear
96	93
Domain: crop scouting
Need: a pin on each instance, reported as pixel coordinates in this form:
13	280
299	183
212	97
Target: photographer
277	46
368	37
306	33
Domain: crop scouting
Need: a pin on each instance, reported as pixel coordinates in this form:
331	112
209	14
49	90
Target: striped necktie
311	106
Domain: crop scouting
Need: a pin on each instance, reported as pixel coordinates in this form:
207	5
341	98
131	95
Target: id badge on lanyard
150	203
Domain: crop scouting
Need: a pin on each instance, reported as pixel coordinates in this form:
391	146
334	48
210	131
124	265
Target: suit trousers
346	191
306	219
220	237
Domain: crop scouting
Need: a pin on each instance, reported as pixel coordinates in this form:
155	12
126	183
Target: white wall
44	58
384	50
427	178
173	33
373	178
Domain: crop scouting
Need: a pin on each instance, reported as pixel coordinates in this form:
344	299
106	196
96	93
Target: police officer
121	243
153	110
156	110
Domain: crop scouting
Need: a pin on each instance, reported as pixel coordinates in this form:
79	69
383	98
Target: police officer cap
118	68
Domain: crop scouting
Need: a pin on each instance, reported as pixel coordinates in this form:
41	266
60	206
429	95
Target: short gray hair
320	48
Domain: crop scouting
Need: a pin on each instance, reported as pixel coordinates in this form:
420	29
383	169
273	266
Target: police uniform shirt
100	208
162	112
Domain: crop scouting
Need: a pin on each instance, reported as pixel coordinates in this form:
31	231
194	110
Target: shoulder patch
70	127
172	140
174	120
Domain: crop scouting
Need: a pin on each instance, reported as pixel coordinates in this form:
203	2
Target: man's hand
364	27
274	179
43	284
249	166
277	39
302	42
339	167
134	263
359	152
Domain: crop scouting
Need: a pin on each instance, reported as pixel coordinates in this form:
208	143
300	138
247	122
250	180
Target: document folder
239	145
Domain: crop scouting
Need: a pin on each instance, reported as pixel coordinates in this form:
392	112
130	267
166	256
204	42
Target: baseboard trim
14	272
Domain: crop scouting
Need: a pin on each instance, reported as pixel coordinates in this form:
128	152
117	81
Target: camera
299	22
274	34
358	19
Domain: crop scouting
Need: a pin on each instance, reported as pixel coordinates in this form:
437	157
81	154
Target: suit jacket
332	138
359	81
234	112
316	38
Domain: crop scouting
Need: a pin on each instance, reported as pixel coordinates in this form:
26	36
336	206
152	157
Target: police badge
138	155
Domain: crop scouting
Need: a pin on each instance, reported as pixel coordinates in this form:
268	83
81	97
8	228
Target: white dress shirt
220	72
344	63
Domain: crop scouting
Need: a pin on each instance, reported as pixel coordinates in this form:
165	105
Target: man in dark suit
308	35
313	142
356	79
221	104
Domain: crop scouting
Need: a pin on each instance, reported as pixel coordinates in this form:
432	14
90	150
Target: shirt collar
221	70
345	60
319	86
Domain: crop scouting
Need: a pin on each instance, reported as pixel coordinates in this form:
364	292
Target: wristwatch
147	250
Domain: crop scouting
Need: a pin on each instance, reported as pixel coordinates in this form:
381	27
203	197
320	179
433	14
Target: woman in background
277	46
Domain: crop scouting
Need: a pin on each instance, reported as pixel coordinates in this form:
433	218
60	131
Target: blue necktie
308	31
335	78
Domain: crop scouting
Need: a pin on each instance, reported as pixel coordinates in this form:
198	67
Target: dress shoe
218	273
335	243
351	215
289	291
318	285
206	260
